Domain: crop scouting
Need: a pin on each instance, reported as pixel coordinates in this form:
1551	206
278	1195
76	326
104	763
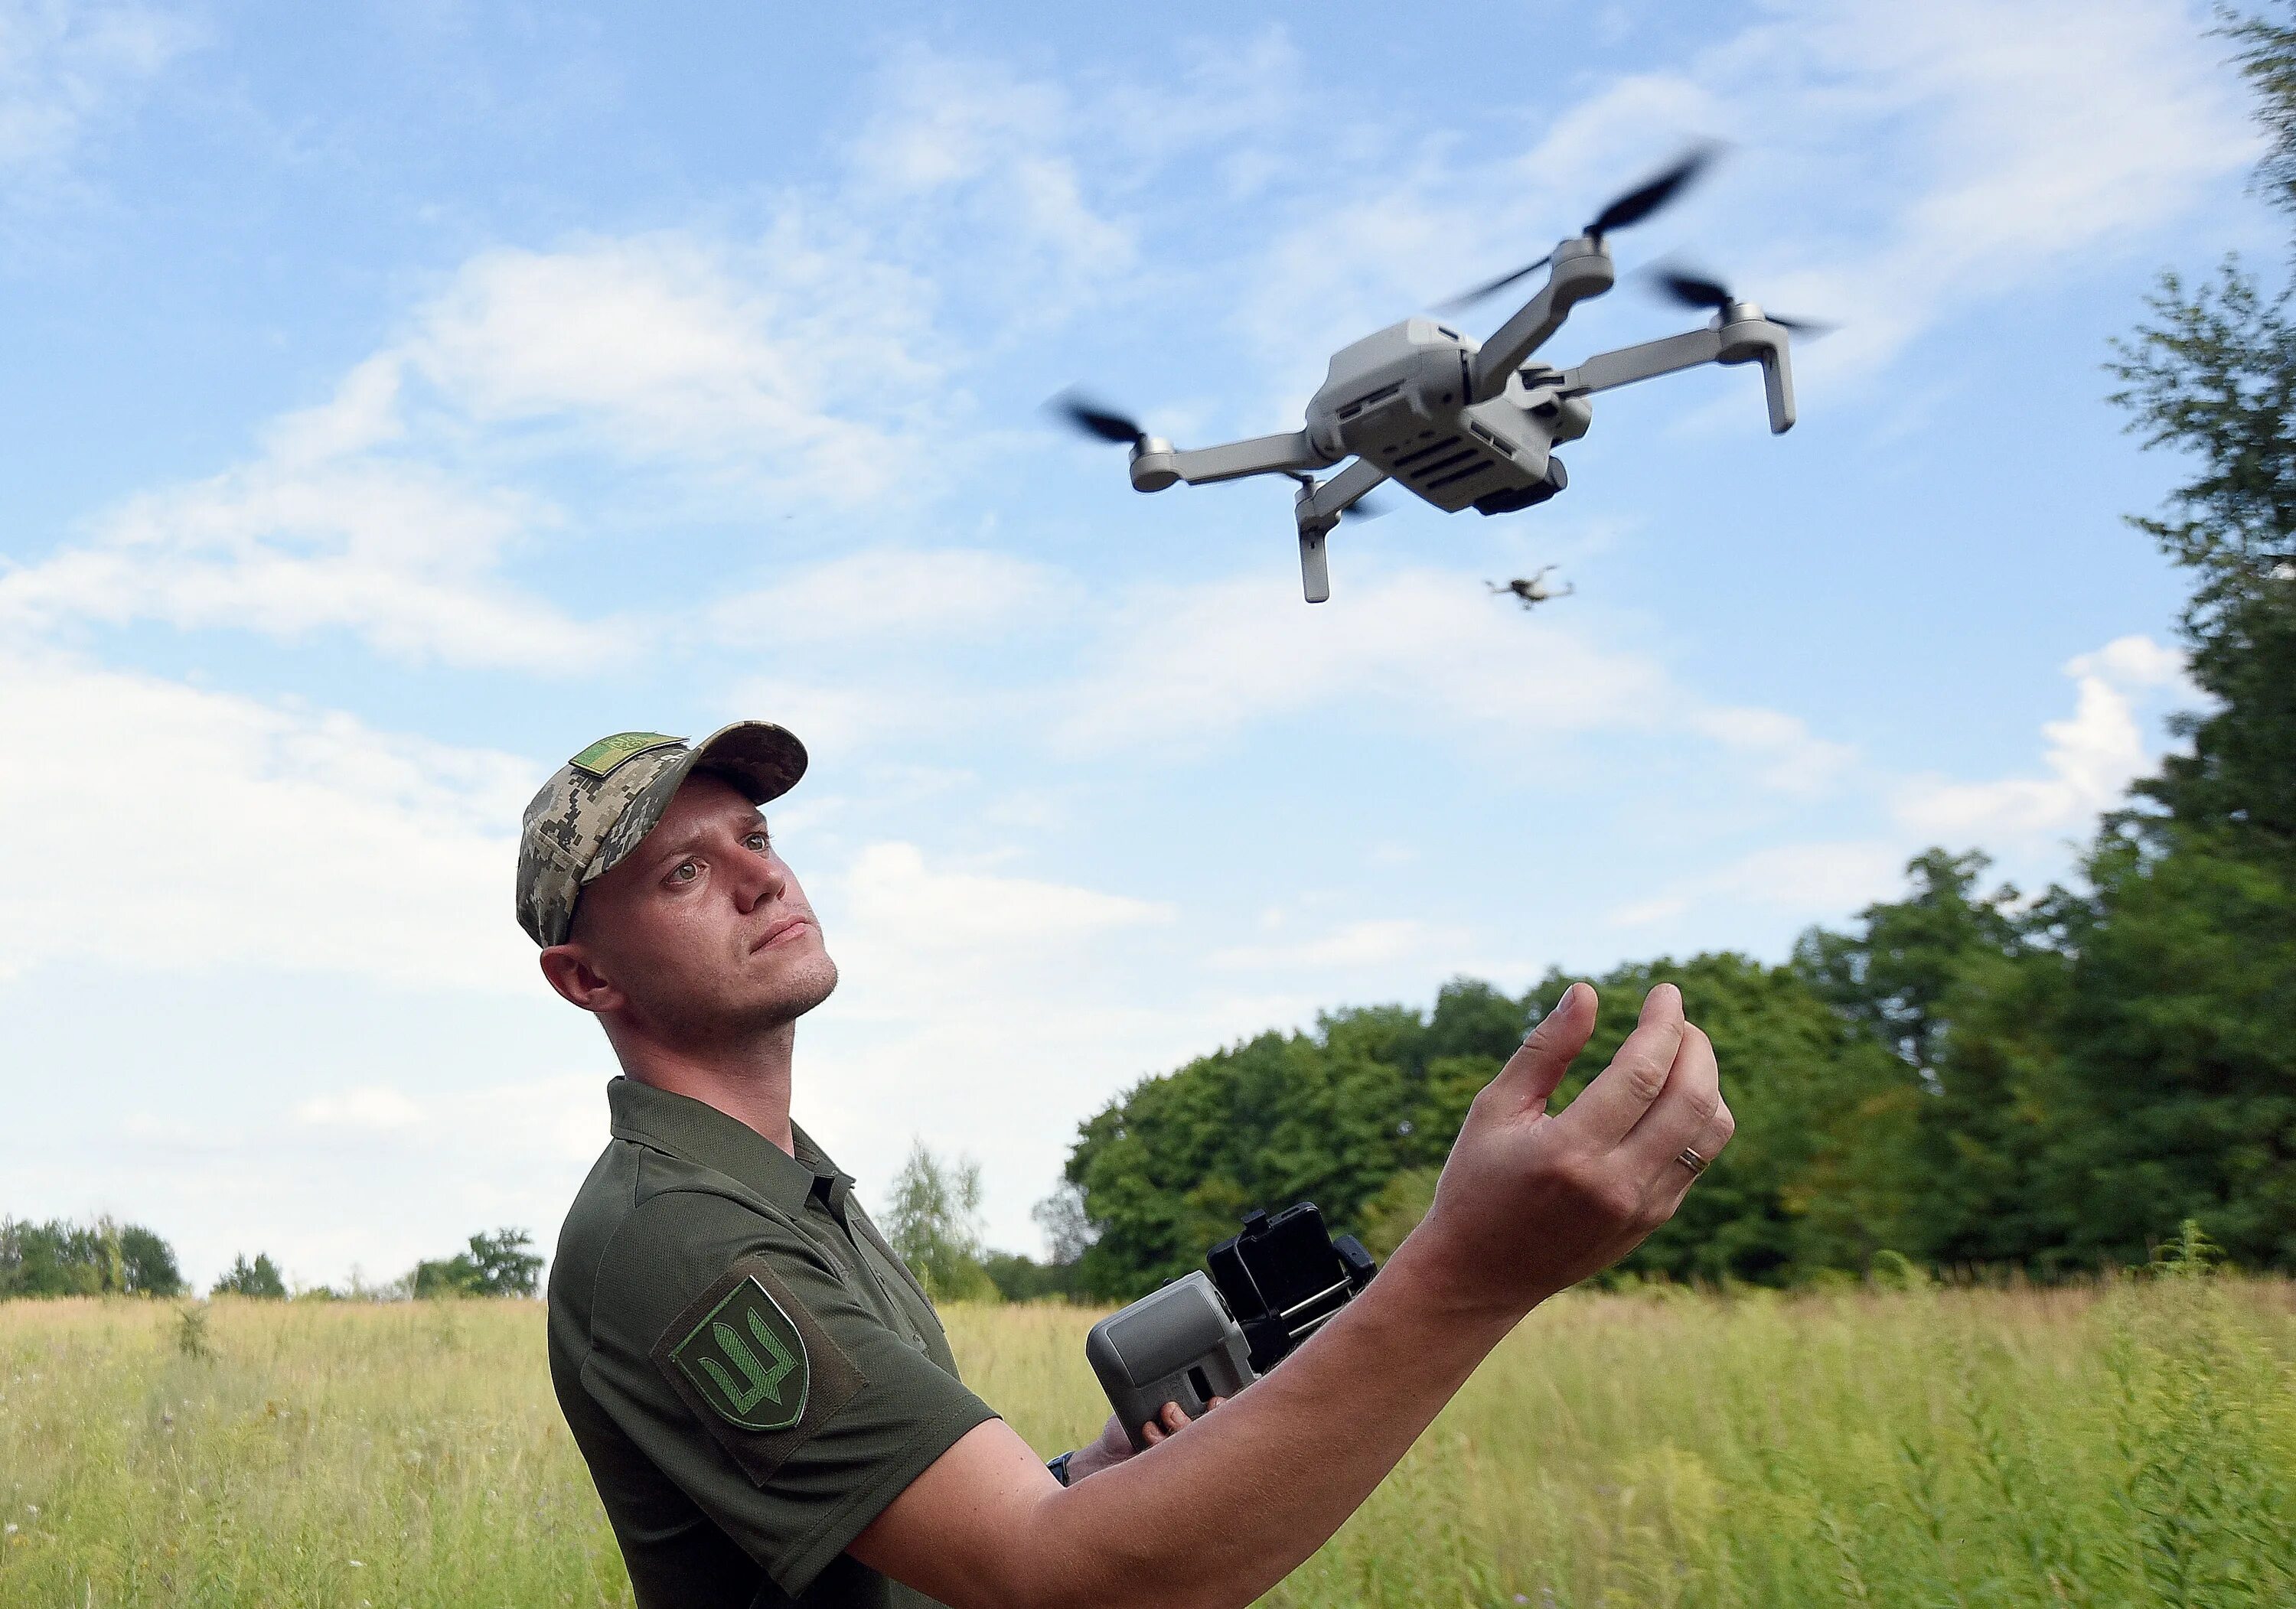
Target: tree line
106	1258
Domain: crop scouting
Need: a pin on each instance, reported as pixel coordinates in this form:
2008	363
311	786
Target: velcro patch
756	1366
747	1361
602	757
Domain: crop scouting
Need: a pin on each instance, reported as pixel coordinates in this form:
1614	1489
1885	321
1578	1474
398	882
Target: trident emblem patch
747	1361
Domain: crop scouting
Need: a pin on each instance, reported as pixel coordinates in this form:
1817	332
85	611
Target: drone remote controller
1462	423
1200	1337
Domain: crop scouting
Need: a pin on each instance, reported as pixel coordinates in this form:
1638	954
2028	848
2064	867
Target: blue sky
399	397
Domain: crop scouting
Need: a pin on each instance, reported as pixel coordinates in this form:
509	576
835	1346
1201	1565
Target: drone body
1531	590
1462	423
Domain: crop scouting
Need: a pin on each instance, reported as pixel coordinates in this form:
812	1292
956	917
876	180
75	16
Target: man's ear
571	973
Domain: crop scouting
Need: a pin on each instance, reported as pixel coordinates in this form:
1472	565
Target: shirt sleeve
732	1354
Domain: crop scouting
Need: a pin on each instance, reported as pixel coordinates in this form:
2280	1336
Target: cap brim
761	759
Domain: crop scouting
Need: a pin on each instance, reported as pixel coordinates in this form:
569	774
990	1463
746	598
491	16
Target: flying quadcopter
1532	589
1465	423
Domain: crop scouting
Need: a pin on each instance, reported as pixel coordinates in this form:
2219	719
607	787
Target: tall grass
2133	1443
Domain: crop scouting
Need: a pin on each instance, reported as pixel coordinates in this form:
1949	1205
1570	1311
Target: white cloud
1790	756
66	68
2091	757
400	554
889	596
1371	942
1812	879
1954	152
793	358
2136	661
158	826
937	917
1996	148
1189	666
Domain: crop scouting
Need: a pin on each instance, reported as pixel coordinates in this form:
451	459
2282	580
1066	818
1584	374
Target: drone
1468	424
1532	589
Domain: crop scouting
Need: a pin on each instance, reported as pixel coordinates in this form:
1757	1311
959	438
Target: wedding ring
1693	1161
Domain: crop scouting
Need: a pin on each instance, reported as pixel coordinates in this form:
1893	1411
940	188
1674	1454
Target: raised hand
1530	1201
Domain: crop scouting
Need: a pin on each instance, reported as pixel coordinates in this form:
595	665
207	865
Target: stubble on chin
816	984
800	987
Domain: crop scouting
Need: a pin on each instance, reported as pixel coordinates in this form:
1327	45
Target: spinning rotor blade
1088	416
1699	291
1693	291
1639	203
1468	299
1631	208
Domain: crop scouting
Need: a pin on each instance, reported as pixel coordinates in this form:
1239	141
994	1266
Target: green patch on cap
600	759
747	1361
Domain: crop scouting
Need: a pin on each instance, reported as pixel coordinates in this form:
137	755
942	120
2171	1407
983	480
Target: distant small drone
1532	589
1462	423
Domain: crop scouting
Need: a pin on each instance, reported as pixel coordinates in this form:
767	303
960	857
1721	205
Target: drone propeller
1630	209
1700	291
1639	203
1468	299
1088	416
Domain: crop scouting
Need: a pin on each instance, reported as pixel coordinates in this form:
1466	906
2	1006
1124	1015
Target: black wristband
1060	1468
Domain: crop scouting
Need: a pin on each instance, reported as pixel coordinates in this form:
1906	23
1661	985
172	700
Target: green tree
1019	1278
2181	1061
2180	1035
1358	1115
933	1221
1967	991
259	1277
60	1259
499	1264
148	1264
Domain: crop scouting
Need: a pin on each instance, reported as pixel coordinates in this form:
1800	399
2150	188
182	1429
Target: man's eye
685	873
759	842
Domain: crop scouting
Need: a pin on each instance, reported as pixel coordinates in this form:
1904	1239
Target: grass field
2132	1444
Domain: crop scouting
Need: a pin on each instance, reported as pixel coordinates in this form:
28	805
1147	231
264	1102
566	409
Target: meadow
2131	1441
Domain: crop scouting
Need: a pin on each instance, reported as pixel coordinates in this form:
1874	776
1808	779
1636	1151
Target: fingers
1173	1420
1709	1144
1532	1073
1684	1109
1607	1110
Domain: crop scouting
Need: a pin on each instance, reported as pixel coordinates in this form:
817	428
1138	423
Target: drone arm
1157	464
1342	492
1744	341
1581	269
1607	370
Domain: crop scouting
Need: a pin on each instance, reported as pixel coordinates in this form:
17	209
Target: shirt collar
698	1132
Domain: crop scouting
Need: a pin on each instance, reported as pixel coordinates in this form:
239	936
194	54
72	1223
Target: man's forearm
1528	1204
1219	1515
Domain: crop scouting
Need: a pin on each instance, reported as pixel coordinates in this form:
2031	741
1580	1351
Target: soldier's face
703	928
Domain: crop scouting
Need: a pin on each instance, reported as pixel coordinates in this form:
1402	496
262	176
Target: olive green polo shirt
750	1371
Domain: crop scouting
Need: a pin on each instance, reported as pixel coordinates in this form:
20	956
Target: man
762	1392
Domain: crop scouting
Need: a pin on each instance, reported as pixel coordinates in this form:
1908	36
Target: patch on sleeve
747	1361
756	1366
600	759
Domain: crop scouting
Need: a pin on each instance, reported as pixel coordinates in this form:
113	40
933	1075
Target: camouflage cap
603	802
